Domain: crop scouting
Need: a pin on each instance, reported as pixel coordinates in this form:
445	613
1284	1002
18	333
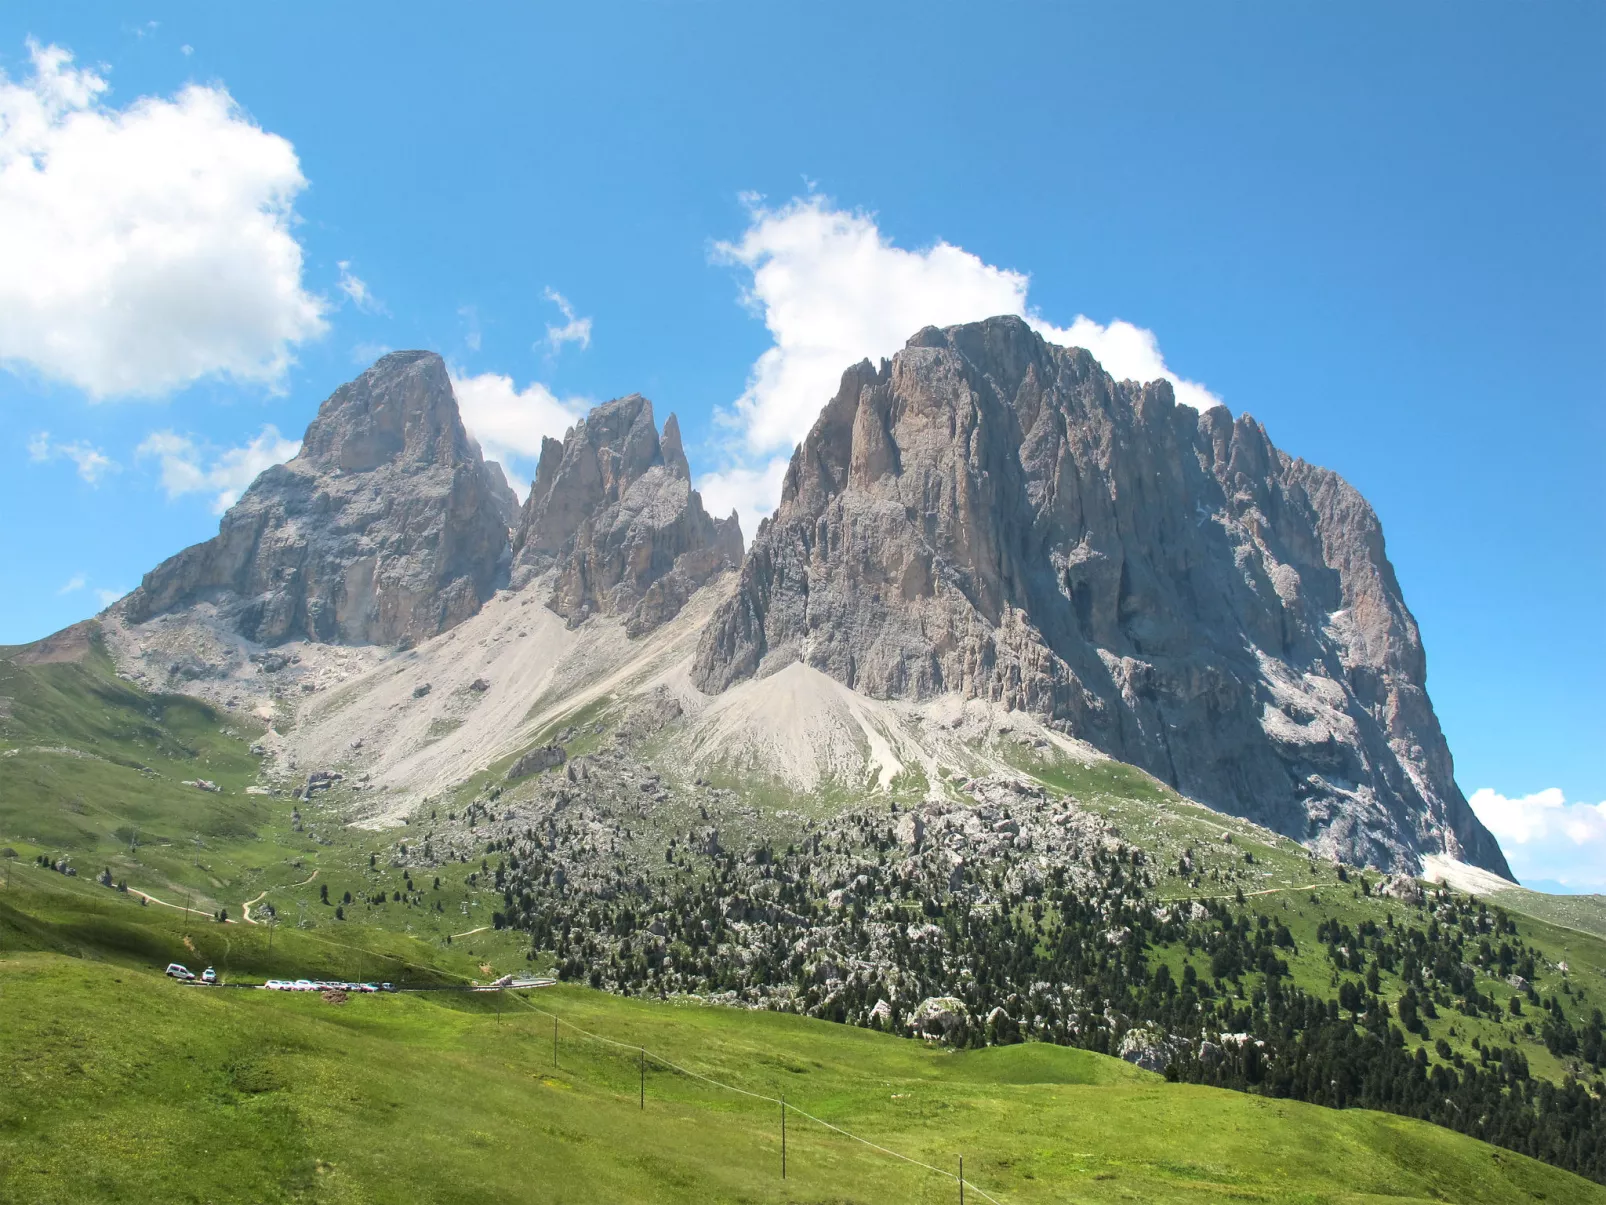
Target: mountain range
986	549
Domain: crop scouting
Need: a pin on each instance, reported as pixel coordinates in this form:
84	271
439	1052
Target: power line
774	1100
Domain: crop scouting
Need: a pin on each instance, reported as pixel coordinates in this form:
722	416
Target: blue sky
1381	229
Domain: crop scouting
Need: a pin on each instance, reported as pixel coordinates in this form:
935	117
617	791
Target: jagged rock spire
613	516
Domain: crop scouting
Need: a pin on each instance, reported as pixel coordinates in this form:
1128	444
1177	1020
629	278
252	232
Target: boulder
544	757
940	1019
1152	1048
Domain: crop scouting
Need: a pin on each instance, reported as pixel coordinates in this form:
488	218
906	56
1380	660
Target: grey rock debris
994	515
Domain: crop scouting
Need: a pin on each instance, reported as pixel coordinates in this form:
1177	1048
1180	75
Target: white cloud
509	423
76	582
1128	353
108	597
355	288
189	468
93	464
1546	838
574	330
148	246
833	290
751	492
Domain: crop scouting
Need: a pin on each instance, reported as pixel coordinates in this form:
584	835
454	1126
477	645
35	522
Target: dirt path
1176	899
149	898
245	908
471	932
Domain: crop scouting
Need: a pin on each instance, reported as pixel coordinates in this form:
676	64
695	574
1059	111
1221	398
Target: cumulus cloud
509	422
92	463
573	330
1546	839
833	290
148	246
188	467
1128	353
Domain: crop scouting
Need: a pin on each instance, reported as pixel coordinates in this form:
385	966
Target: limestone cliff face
612	511
386	528
994	515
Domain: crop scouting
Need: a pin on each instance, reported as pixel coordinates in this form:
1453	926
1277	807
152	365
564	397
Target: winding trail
471	932
245	908
151	899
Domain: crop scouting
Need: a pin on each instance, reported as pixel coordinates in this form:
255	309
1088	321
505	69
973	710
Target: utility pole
961	1180
554	1043
643	1078
783	1137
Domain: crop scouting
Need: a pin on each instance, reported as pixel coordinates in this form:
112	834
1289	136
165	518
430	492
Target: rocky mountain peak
401	411
613	515
386	528
996	516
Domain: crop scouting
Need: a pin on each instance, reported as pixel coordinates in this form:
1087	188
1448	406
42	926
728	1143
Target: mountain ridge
994	515
985	516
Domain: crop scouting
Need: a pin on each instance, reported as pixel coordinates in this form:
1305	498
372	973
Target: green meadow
117	1084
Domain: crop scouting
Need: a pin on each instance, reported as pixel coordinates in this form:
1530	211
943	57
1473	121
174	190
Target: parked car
177	970
303	985
209	976
276	985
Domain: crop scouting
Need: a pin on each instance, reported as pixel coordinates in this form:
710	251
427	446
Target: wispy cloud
93	464
471	324
366	353
76	582
357	291
188	467
574	329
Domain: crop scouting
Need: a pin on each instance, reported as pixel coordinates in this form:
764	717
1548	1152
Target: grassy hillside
138	1089
133	1088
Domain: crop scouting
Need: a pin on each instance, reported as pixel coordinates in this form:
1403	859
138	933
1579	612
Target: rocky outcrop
613	514
386	528
993	515
536	761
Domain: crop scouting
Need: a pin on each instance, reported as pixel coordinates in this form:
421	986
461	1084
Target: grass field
128	1087
118	1085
